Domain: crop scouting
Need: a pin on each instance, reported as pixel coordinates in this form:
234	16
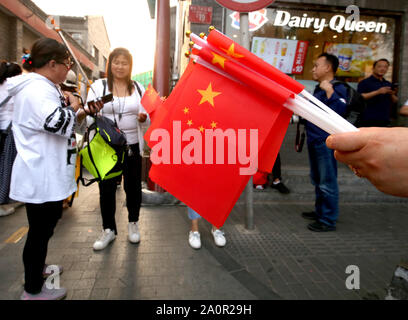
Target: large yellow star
218	59
231	52
208	95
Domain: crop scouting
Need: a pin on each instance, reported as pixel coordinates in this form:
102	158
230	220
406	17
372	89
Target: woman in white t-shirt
8	150
127	111
43	172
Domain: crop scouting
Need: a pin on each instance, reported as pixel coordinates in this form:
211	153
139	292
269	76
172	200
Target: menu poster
353	58
287	55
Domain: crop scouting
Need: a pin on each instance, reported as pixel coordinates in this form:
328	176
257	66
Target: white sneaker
107	236
194	239
6	210
45	294
219	237
134	235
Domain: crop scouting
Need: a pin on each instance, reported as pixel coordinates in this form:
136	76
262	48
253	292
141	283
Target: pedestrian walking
128	113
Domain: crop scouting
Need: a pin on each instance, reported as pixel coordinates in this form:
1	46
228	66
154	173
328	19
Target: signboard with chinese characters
353	58
200	14
287	55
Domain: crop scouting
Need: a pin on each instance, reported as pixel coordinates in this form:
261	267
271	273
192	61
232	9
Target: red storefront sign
200	14
300	57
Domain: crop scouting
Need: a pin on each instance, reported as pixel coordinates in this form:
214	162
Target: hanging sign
287	55
200	14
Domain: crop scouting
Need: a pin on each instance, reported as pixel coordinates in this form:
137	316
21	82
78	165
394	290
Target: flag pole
59	31
249	189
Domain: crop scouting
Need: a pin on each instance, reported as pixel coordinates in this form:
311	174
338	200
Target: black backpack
356	104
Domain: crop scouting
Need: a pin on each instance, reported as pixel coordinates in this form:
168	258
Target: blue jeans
323	173
192	214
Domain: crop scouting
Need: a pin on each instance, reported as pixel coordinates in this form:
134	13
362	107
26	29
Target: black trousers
42	219
132	174
276	170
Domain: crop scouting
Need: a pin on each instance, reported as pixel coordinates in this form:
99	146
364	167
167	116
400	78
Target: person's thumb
346	142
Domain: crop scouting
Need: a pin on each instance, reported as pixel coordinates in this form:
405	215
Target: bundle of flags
225	120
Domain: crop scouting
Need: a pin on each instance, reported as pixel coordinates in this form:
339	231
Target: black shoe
318	226
280	187
310	215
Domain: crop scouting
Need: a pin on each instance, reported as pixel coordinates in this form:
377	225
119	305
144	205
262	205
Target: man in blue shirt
323	165
379	96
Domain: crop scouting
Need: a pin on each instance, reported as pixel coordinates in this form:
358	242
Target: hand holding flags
228	110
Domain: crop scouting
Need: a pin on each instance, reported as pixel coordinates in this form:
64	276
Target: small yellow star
208	95
218	59
231	52
186	110
201	128
190	123
213	124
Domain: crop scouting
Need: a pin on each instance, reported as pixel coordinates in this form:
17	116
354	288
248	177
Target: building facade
22	23
291	34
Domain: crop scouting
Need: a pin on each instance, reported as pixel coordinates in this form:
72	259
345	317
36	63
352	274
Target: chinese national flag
206	101
151	102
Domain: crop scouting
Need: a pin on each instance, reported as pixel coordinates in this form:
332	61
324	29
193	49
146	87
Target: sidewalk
280	259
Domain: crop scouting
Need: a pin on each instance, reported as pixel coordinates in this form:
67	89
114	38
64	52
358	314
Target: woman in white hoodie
43	172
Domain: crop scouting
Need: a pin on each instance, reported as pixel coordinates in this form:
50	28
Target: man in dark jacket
379	95
323	165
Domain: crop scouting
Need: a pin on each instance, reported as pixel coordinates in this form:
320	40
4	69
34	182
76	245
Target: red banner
300	57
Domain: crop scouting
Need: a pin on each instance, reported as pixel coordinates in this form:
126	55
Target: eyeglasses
68	64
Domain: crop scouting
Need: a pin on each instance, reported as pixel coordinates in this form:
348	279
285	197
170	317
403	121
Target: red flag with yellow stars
205	147
242	55
151	101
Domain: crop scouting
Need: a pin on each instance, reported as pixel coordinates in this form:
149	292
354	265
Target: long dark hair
43	51
8	70
117	52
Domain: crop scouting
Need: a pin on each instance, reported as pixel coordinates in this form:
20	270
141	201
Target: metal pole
161	72
58	30
249	192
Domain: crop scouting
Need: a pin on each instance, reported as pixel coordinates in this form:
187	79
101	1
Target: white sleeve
45	112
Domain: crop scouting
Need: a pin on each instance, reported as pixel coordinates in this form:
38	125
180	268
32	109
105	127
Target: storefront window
277	35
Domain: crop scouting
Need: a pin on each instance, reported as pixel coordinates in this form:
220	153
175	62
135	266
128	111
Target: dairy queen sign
245	5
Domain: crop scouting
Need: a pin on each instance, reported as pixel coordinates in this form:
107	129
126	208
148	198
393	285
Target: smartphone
107	98
394	86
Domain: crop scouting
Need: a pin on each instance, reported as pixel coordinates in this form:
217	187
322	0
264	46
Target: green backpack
103	156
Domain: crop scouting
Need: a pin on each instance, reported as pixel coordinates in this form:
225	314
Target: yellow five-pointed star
201	128
208	95
190	122
213	124
186	110
231	52
218	59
